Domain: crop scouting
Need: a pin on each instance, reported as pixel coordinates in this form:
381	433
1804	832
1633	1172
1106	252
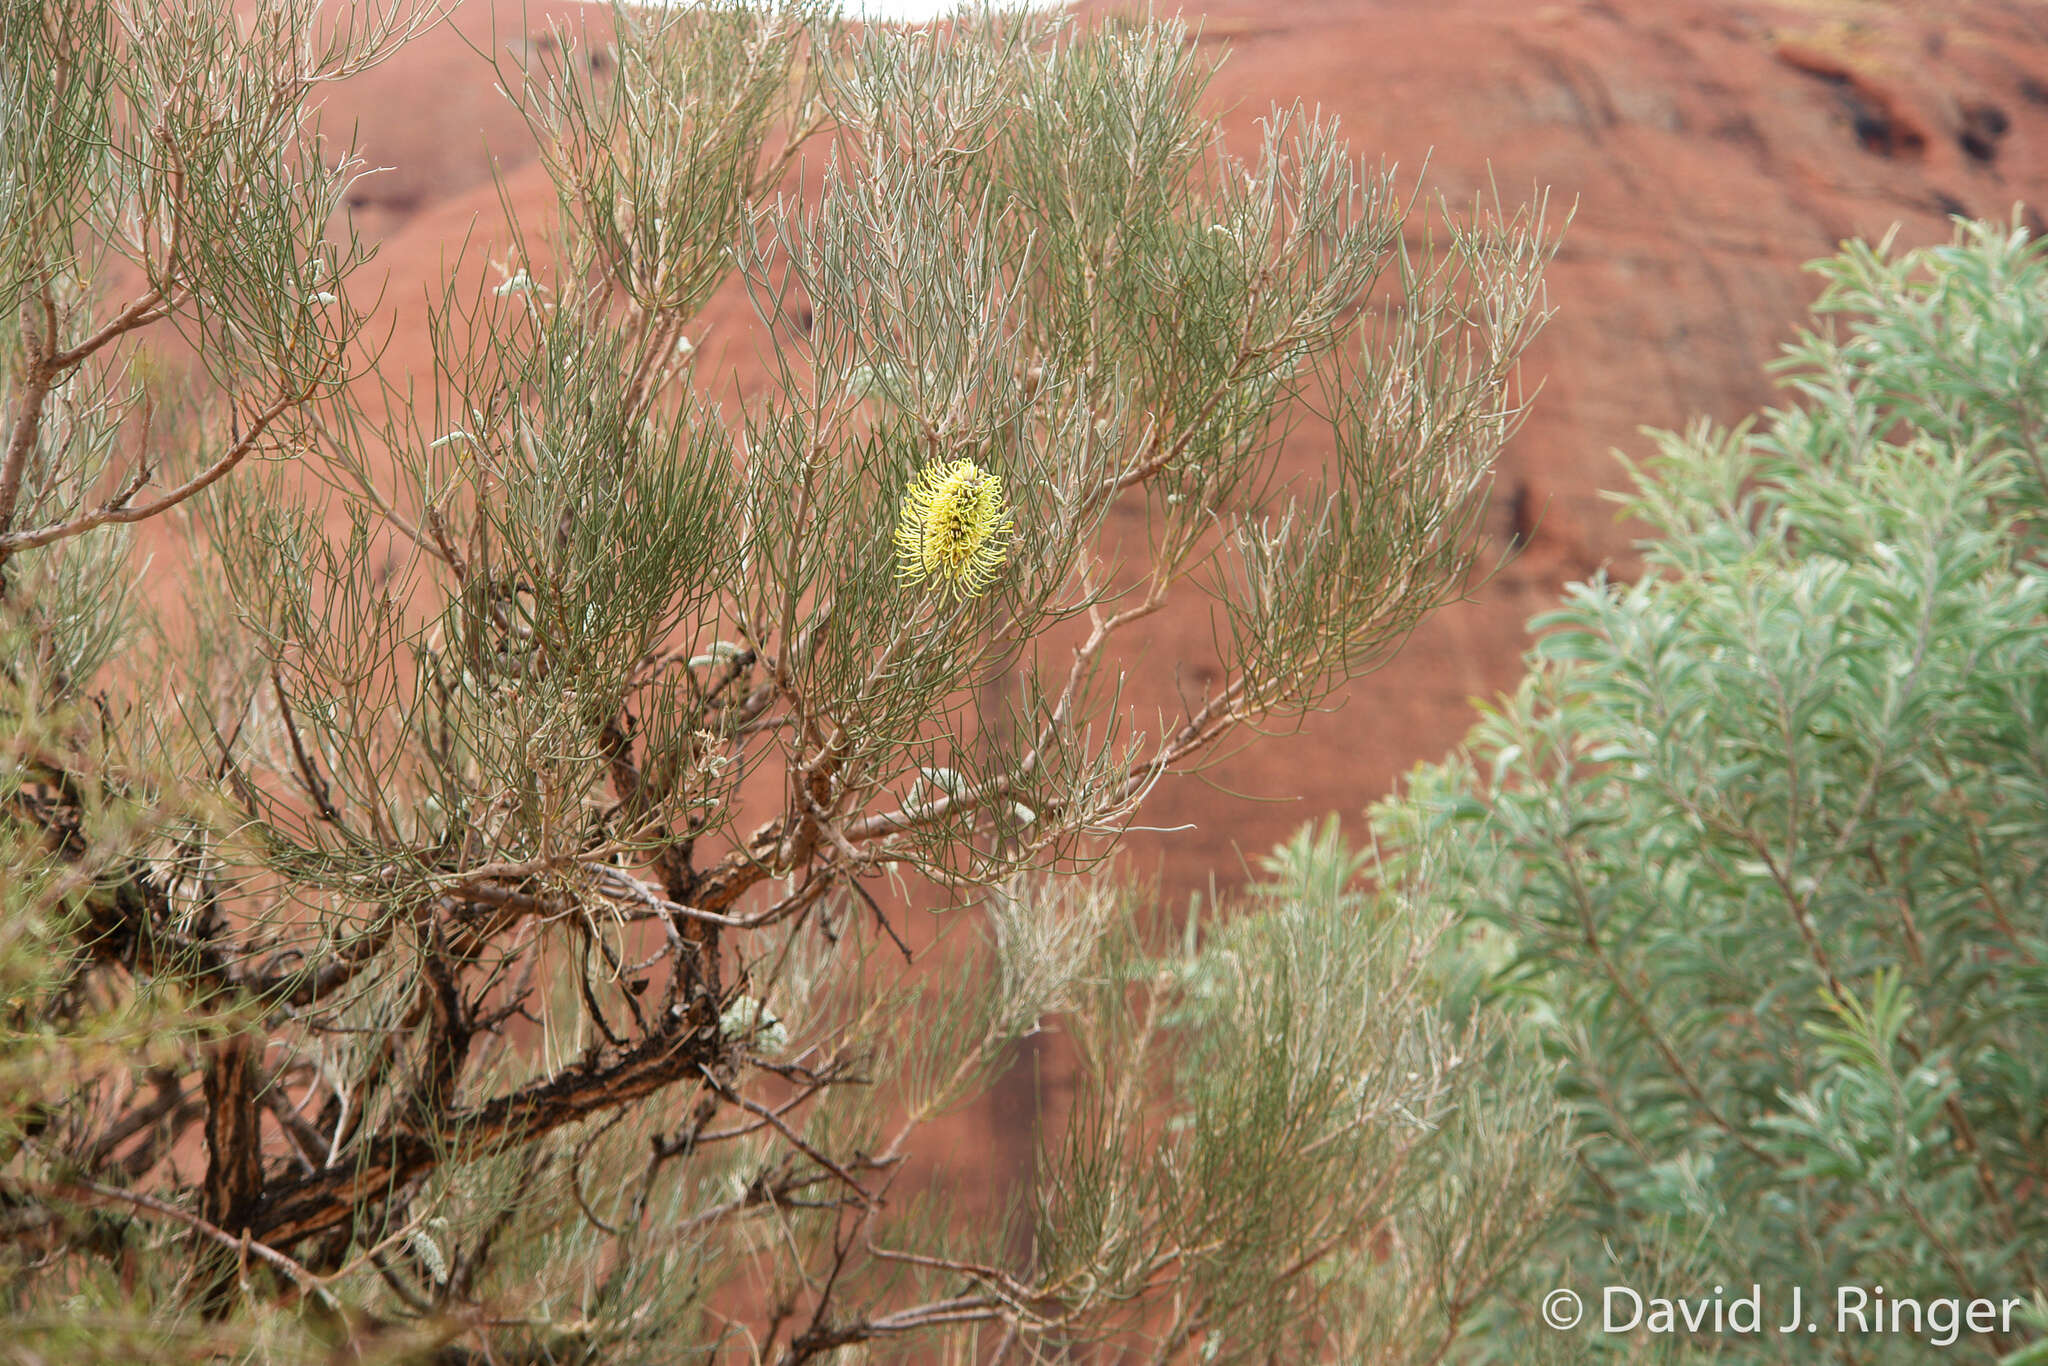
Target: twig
316	786
90	1192
860	1192
882	920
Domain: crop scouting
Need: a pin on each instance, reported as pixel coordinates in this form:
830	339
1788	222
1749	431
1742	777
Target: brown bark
234	1163
303	1206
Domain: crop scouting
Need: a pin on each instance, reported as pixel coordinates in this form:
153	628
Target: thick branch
303	1206
234	1160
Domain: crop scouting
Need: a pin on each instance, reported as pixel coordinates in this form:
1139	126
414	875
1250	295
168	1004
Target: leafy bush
1768	830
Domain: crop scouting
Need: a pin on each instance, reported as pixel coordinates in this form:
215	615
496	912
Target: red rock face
1711	147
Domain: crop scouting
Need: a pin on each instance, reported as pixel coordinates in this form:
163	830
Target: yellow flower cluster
954	530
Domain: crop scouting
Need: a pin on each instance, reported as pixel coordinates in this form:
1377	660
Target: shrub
464	928
1764	830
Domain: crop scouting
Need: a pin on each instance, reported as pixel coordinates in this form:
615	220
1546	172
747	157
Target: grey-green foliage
1336	1160
1765	828
471	917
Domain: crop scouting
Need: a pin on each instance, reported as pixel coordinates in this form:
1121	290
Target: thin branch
151	307
118	511
91	1192
860	1192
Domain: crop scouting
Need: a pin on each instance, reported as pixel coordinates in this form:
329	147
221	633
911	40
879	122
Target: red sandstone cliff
1712	147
